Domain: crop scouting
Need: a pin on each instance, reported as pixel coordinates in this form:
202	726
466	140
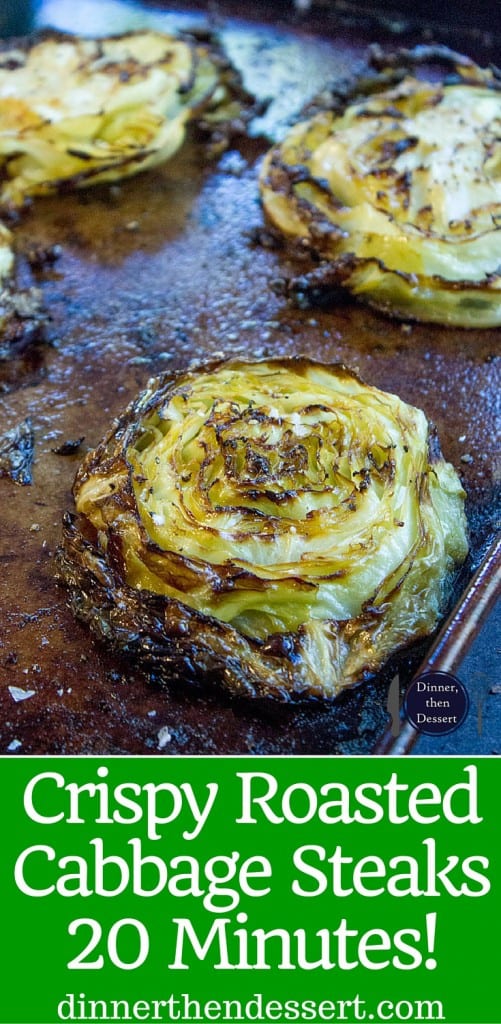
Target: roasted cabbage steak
76	111
279	527
399	196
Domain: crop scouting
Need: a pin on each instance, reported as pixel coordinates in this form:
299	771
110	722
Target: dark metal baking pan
151	275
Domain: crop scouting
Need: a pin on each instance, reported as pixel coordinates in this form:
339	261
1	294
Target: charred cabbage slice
80	111
278	525
401	194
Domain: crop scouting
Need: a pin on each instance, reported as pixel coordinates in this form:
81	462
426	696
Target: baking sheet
151	275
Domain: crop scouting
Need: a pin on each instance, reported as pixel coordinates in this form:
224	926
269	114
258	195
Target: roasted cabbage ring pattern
279	525
76	112
401	194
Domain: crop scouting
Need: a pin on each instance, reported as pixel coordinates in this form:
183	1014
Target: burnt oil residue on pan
166	268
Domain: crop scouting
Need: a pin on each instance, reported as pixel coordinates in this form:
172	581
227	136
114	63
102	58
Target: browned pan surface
154	274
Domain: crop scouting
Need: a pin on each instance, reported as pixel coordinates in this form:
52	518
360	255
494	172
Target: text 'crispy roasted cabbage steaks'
399	194
278	526
76	111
